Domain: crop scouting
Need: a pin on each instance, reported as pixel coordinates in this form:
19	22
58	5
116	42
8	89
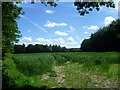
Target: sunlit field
63	70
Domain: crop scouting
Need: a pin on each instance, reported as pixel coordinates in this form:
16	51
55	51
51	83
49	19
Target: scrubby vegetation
60	70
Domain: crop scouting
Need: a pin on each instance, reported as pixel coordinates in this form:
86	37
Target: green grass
80	69
33	64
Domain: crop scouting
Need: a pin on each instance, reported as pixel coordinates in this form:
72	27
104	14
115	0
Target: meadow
62	70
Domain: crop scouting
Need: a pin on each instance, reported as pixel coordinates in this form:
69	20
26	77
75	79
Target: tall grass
59	59
23	69
37	64
13	78
96	62
33	64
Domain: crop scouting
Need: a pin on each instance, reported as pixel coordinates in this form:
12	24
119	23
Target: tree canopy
105	39
83	6
40	48
10	32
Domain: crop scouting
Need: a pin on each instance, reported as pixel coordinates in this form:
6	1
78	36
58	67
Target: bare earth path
71	76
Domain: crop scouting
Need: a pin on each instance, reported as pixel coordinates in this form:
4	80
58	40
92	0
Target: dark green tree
23	48
86	45
37	48
47	48
83	6
64	49
30	48
86	6
19	48
10	32
105	39
50	46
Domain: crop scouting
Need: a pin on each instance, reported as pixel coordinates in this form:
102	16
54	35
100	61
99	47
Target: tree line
105	39
39	48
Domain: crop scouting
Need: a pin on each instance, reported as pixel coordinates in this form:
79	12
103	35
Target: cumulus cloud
60	40
72	43
49	11
108	20
70	39
61	33
53	24
26	39
44	40
36	43
85	32
57	41
72	29
91	27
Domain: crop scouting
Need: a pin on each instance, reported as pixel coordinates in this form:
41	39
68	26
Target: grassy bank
71	69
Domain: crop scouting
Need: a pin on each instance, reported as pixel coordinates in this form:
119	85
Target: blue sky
61	25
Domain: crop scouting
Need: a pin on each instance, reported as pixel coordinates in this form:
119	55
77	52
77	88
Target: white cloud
29	30
44	40
72	43
72	29
71	46
91	27
53	24
60	40
26	39
70	39
36	43
108	20
49	11
57	41
85	32
61	33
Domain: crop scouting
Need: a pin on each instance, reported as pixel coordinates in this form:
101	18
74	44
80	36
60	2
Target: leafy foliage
10	32
46	2
105	39
85	6
38	48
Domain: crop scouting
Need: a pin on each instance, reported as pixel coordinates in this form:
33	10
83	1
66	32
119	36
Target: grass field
63	70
